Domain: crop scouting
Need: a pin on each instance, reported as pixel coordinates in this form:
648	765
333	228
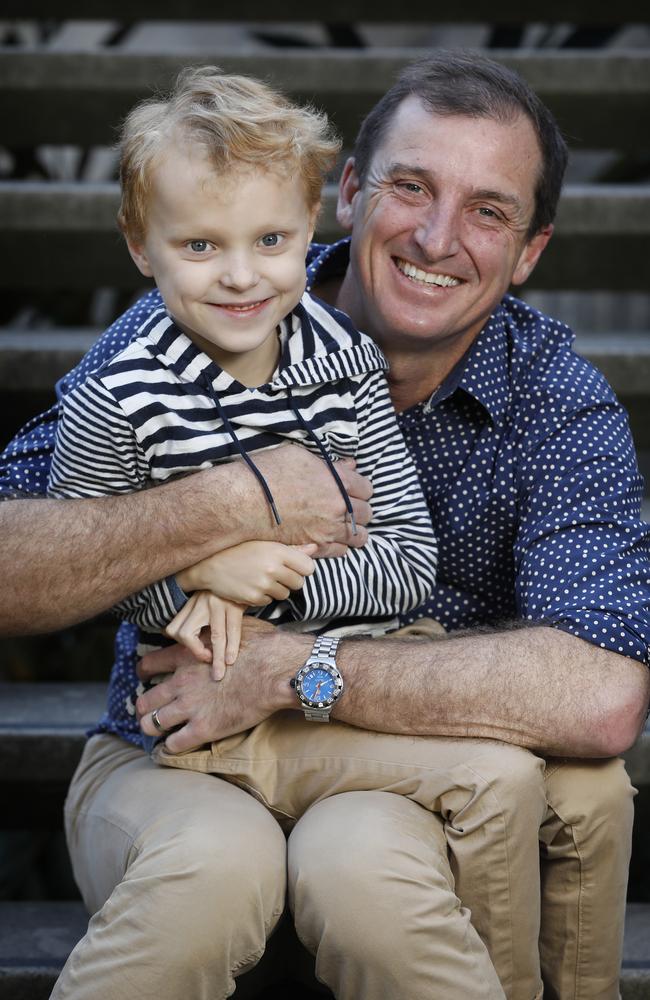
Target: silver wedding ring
156	721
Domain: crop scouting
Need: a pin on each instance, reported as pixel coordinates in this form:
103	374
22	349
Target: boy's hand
253	573
224	619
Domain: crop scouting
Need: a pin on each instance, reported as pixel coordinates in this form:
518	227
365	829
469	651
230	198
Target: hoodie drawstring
256	472
328	461
249	461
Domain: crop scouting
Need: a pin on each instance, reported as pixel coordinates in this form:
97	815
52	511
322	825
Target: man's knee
372	896
591	794
500	782
244	863
208	899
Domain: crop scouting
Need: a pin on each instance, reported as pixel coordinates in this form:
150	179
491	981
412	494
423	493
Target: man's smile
418	275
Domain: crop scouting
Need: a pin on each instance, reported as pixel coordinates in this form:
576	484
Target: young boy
220	192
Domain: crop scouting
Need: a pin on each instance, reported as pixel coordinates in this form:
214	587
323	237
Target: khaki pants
186	873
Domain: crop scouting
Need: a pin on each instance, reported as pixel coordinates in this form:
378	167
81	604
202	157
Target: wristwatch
318	683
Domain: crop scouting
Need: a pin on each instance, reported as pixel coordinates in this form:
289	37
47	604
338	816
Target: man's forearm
68	560
71	559
539	688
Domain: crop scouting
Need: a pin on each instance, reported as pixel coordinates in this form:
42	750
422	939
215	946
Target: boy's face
227	253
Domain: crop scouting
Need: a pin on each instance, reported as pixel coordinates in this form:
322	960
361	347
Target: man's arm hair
69	560
536	687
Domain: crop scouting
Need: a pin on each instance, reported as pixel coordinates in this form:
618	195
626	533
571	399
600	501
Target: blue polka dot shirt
527	464
528	467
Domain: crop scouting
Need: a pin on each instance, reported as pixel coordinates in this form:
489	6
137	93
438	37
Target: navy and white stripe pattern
154	412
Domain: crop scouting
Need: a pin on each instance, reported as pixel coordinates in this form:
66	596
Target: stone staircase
66	274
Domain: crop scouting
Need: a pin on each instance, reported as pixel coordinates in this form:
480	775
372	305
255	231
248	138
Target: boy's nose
239	273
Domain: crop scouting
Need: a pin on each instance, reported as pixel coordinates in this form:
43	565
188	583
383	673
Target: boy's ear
139	257
313	219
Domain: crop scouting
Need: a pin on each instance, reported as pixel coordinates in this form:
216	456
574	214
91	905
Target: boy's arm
69	561
252	574
395	570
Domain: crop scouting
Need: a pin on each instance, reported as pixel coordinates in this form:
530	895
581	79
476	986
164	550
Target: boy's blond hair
237	120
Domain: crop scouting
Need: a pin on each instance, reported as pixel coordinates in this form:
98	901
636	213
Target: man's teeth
415	273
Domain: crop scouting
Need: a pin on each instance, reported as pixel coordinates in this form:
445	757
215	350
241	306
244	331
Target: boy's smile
227	252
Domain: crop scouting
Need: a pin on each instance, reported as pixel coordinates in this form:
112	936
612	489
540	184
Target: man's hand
254	687
309	501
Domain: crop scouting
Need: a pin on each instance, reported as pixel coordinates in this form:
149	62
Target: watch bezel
334	673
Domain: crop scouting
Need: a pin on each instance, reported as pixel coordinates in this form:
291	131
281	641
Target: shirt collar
483	371
327	260
486	367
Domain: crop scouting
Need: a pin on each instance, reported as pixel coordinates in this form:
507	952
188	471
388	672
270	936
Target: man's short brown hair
466	83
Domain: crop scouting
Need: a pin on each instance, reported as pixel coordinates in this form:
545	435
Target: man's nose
438	232
239	272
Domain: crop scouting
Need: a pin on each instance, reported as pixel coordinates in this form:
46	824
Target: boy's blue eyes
269	240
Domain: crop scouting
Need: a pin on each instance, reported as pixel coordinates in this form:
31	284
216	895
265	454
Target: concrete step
338	11
78	245
43	726
635	977
36	938
35	359
622	357
32	360
80	97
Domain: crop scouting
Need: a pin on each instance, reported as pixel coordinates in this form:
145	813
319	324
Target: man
527	465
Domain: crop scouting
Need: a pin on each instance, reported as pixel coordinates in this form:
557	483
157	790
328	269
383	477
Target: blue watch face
318	685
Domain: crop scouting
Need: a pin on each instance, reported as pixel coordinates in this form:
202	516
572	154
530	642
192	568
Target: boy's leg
586	843
489	795
184	873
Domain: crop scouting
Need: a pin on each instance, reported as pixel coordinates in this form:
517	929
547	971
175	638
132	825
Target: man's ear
349	187
139	257
530	254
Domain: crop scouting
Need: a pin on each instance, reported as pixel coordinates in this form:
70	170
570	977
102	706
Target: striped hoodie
162	408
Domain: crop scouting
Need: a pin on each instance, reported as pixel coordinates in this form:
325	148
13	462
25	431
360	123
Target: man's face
227	252
439	227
